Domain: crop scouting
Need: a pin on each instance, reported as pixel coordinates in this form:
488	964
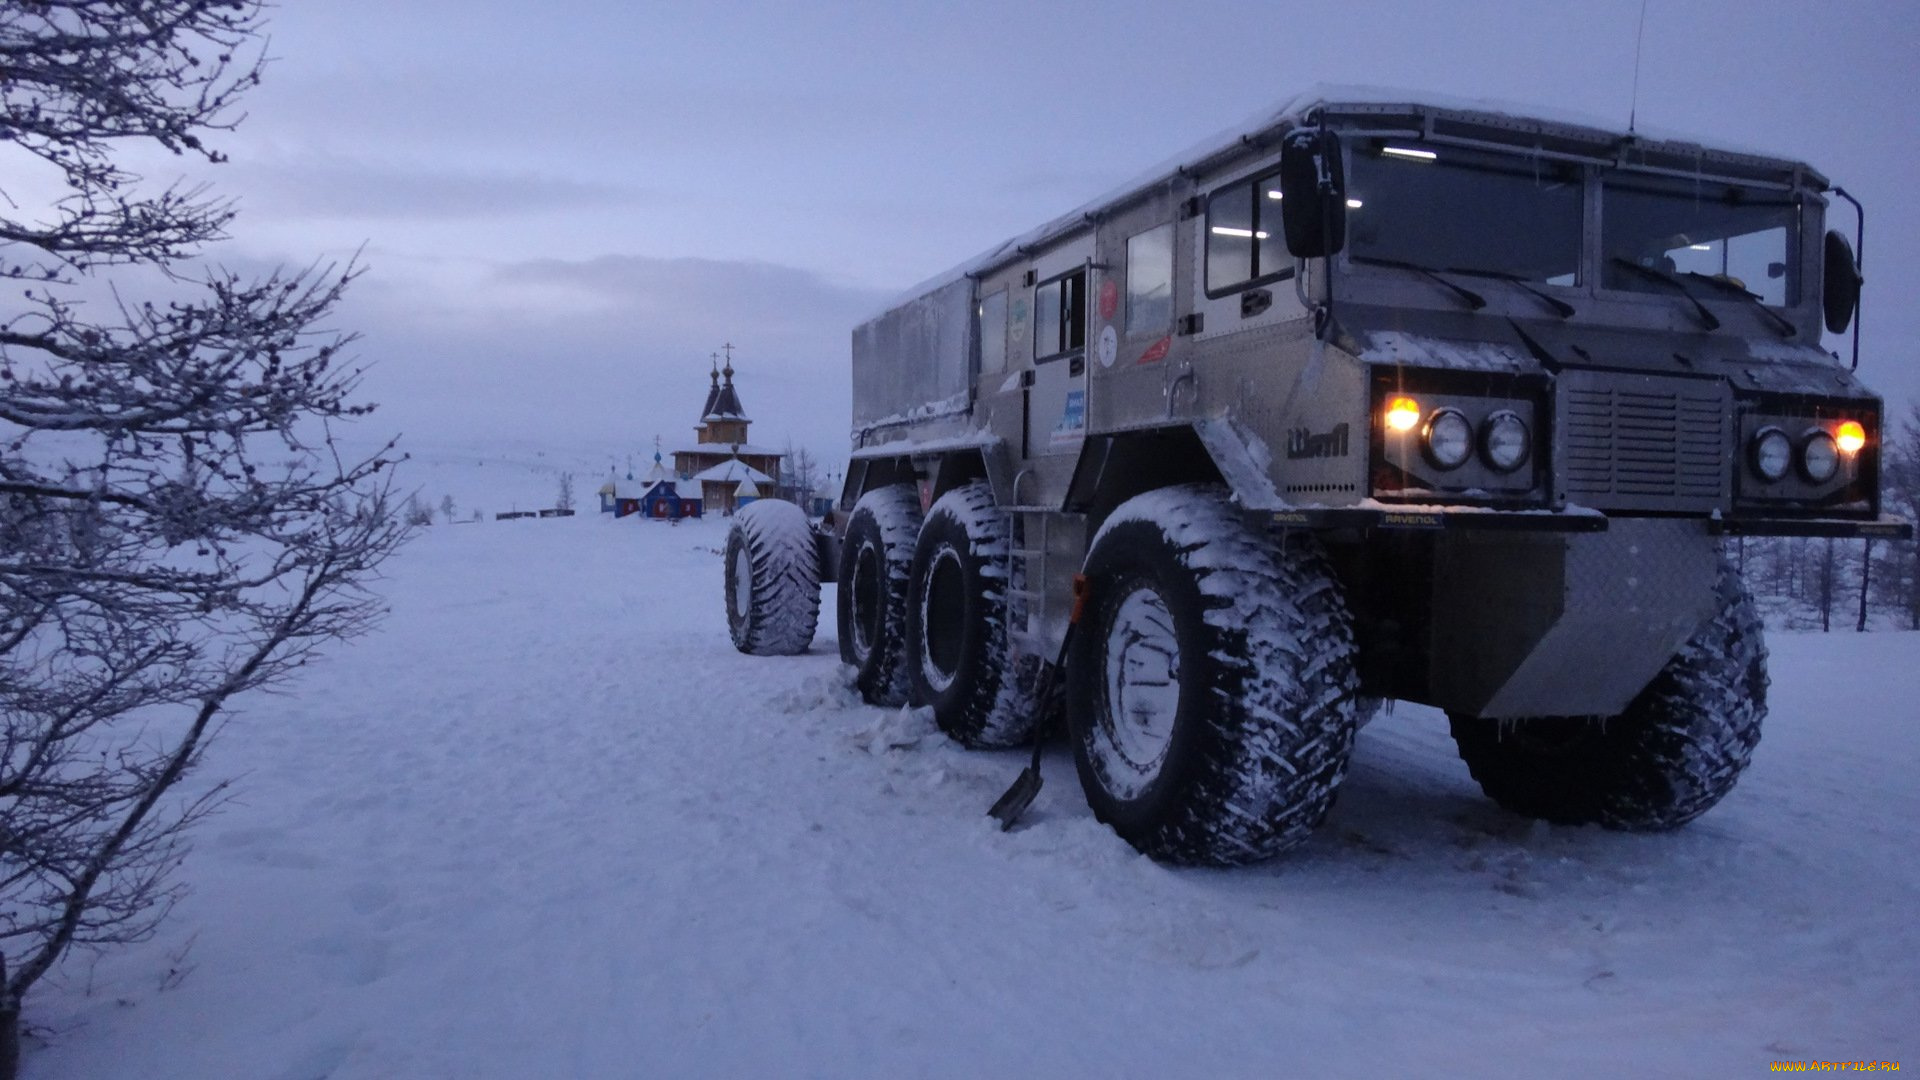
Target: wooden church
726	470
721	471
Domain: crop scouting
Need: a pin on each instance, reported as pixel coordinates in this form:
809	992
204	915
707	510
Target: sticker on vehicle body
1072	427
1109	349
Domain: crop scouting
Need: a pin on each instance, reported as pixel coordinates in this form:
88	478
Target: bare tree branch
178	524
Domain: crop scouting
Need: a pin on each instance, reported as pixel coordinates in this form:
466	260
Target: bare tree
800	473
1828	584
564	500
416	513
1900	474
447	509
1866	585
177	522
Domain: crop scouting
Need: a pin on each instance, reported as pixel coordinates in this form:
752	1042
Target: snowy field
548	823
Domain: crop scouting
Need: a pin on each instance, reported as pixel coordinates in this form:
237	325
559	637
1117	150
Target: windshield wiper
1560	307
1781	322
1707	318
1474	300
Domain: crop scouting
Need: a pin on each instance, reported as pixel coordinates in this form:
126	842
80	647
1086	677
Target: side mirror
1313	190
1839	283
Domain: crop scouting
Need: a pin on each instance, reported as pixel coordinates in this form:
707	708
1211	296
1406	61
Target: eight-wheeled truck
1374	398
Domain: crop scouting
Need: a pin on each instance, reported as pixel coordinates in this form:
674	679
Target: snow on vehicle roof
966	440
1332	96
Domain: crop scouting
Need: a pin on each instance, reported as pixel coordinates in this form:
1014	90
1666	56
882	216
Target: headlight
1505	441
1449	438
1819	457
1771	453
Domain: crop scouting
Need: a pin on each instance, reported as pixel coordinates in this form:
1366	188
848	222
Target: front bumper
1430	518
1885	528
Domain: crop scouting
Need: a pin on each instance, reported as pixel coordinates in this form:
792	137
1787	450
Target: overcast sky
565	207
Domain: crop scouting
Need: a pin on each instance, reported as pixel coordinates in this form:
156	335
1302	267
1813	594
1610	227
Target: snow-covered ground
548	823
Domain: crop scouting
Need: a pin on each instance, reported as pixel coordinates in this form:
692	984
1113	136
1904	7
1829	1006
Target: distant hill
508	474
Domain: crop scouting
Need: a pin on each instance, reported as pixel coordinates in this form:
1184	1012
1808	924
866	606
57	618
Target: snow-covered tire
773	579
957	622
874	558
1210	683
1676	751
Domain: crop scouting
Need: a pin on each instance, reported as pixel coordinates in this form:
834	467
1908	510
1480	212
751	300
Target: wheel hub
1142	682
742	583
866	600
942	618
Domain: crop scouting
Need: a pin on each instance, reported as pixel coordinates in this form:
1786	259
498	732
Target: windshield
1445	208
1741	236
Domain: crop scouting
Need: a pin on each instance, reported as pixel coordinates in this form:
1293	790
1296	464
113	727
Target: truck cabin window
1448	209
1245	244
1060	316
1738	237
1150	281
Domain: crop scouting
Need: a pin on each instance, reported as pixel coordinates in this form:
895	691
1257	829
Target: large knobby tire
874	559
1210	684
773	579
957	656
1676	751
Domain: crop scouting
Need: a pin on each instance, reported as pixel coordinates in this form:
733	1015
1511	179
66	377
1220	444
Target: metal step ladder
1026	579
1036	616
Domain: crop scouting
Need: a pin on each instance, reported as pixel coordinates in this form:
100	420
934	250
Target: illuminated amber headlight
1505	440
1449	439
1819	457
1850	436
1771	453
1403	414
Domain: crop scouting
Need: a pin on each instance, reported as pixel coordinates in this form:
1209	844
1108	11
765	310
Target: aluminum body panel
915	359
1564	624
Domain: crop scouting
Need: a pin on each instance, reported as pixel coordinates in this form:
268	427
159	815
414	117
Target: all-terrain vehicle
1374	398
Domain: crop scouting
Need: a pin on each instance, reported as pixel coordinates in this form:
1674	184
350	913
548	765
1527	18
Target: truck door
1056	421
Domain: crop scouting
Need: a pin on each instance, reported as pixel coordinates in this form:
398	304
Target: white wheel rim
1143	689
742	583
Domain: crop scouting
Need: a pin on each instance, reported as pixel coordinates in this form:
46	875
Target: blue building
656	496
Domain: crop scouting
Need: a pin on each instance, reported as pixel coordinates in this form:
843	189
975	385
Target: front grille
1641	442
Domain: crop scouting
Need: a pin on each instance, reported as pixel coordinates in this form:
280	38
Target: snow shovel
1008	808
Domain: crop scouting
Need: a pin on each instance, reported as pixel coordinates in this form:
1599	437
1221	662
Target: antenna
1639	39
